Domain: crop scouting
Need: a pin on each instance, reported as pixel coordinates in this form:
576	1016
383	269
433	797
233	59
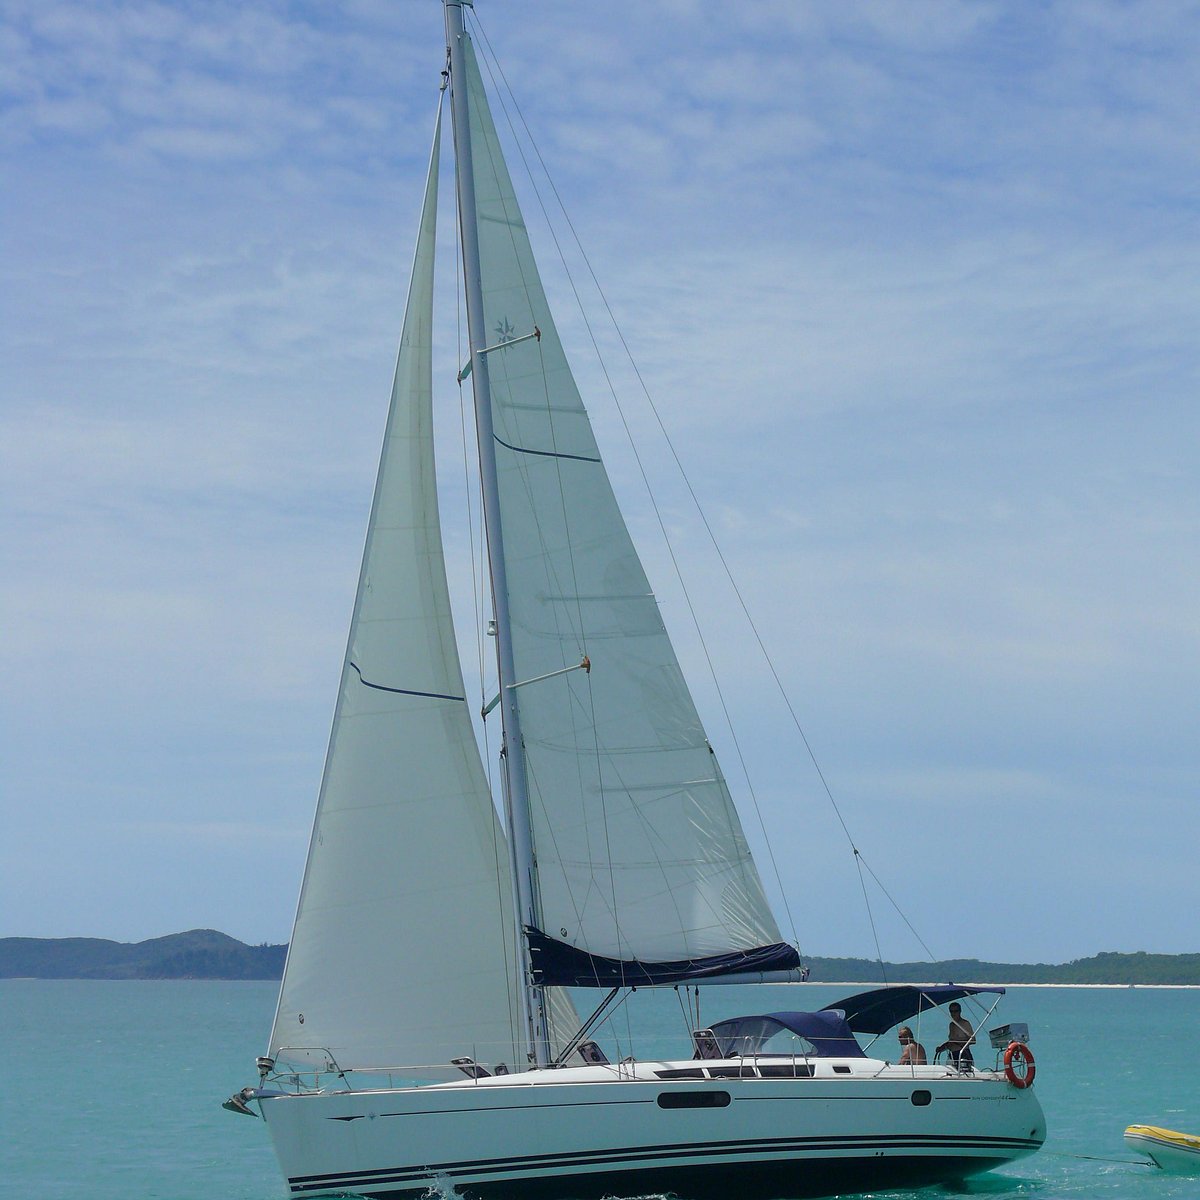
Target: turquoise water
112	1090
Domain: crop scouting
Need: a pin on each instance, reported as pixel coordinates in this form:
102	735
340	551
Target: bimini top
826	1032
878	1010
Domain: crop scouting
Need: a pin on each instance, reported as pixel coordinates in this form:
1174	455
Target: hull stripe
646	1155
854	1097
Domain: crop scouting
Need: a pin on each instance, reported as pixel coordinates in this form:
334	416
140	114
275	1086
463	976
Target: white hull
604	1131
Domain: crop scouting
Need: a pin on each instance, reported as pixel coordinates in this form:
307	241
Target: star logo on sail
505	331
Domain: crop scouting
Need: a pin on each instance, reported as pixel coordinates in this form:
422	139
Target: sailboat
427	1034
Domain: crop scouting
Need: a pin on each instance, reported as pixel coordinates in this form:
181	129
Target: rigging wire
491	55
649	491
476	585
533	789
899	911
579	629
683	1009
860	860
862	883
499	859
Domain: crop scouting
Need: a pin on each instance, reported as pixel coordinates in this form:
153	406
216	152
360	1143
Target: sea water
113	1090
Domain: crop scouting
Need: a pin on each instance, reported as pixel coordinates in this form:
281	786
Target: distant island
1108	967
207	954
197	954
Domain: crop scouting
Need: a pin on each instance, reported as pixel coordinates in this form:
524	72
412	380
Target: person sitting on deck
959	1040
912	1053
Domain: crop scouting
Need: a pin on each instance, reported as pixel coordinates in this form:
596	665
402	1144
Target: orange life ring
1019	1052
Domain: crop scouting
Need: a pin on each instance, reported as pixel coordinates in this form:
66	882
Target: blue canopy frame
826	1031
878	1010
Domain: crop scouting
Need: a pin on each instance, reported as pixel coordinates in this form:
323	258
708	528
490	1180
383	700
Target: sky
913	287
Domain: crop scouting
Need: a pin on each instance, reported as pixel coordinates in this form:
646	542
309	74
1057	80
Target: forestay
639	851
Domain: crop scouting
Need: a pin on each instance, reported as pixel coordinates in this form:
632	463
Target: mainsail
404	945
640	856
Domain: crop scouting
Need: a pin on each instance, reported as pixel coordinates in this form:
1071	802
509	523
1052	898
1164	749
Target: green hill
197	954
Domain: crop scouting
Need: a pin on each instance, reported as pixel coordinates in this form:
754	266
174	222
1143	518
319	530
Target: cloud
912	287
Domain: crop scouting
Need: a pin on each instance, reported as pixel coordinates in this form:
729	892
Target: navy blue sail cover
826	1031
556	964
878	1010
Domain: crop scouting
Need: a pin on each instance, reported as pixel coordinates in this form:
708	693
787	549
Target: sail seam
379	687
544	453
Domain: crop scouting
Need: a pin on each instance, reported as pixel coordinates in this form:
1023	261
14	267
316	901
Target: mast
516	791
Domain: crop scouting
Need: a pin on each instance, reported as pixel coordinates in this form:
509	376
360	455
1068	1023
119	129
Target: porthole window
704	1099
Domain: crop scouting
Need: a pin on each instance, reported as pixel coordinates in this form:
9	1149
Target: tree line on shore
207	954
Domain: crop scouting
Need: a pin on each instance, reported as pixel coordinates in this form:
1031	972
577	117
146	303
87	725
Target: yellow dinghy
1178	1152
